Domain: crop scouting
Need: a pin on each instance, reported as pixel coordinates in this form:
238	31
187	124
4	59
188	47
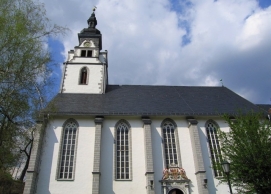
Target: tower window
86	53
89	53
83	76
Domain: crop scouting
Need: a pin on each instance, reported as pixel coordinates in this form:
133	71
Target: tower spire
91	32
92	21
86	67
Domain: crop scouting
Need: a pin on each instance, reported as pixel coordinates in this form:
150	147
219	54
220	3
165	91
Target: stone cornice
146	120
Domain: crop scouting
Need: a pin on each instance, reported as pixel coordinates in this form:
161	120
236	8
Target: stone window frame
216	146
81	74
130	150
179	160
61	151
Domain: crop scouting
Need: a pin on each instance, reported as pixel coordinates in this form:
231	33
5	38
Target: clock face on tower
87	44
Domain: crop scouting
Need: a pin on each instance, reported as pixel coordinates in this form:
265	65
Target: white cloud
229	39
255	30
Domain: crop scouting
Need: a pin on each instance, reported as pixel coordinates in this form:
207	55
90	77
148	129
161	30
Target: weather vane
221	82
94	8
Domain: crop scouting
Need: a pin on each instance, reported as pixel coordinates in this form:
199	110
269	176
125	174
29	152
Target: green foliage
8	185
24	73
248	148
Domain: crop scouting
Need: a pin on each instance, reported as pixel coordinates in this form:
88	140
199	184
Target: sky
175	42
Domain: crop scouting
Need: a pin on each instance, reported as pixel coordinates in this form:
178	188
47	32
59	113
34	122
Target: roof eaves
135	114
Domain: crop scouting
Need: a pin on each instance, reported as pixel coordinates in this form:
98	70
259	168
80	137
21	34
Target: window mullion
123	150
172	145
69	156
121	153
167	149
67	145
64	154
124	157
118	154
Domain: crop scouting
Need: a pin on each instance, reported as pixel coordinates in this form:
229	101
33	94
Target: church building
97	138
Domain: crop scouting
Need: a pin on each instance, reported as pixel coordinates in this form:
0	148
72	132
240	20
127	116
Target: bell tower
85	70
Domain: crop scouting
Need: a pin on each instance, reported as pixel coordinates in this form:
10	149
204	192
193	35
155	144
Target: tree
25	71
248	148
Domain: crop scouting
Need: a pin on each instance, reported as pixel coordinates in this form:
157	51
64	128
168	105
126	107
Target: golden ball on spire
94	8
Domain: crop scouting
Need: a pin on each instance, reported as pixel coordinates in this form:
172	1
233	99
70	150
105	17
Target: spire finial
92	22
94	9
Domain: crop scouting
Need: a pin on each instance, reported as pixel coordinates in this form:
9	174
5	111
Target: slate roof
153	100
264	107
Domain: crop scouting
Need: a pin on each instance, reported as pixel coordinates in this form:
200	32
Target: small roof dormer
91	32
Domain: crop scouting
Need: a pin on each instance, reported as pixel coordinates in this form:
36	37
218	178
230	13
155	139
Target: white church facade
97	138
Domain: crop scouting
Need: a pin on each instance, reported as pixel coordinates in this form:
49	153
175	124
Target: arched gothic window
83	76
122	149
68	150
170	142
211	130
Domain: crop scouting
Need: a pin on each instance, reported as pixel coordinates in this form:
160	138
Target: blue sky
187	42
56	48
264	3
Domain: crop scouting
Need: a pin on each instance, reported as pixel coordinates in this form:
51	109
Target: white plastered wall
185	151
94	80
138	182
213	183
82	183
108	184
96	66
